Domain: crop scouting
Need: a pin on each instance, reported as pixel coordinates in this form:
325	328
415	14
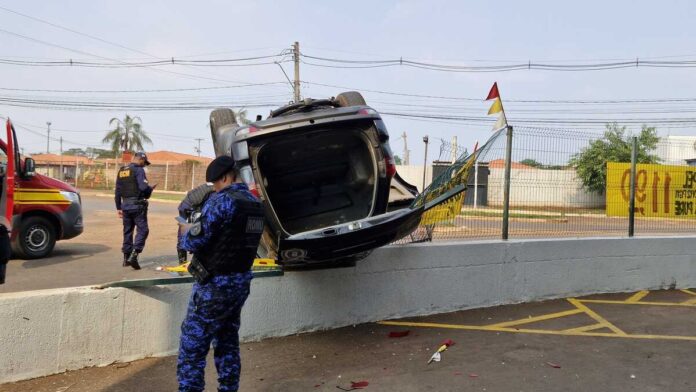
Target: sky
468	33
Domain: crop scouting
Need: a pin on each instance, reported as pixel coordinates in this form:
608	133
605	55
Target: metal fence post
166	176
506	184
193	173
632	197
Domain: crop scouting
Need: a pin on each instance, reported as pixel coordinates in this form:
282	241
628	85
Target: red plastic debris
473	375
359	384
447	342
554	365
399	334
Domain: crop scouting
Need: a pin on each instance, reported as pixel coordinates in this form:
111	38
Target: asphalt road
94	257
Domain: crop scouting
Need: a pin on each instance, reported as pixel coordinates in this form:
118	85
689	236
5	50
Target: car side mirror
29	167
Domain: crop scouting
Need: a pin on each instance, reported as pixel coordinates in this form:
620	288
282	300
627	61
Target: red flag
494	92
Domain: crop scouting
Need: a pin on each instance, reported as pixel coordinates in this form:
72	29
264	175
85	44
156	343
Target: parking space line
603	301
638	296
534	331
530	320
585	328
597	317
579	308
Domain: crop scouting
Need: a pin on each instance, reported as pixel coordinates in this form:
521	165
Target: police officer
188	208
132	192
224	244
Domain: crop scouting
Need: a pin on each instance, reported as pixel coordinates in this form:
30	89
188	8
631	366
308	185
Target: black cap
218	168
141	154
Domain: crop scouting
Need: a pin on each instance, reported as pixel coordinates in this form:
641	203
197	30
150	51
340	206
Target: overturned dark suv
325	171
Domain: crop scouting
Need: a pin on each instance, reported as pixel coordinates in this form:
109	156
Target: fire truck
41	209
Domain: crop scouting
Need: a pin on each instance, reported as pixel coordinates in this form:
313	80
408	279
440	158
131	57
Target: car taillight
391	166
253	129
367	112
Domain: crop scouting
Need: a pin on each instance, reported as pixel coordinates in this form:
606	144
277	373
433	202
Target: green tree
127	135
76	152
397	160
531	162
591	163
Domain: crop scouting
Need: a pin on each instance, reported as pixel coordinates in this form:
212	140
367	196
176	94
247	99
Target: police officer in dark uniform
132	192
224	244
188	209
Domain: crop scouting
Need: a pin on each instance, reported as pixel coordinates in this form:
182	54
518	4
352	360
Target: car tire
222	123
35	239
221	117
350	98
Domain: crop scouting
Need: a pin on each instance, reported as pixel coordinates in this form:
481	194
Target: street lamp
425	161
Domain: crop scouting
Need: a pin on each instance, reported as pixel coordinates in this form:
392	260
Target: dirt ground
530	347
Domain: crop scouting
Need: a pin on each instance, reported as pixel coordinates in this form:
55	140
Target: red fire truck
42	210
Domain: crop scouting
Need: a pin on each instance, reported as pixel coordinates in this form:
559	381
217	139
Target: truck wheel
223	122
350	98
35	239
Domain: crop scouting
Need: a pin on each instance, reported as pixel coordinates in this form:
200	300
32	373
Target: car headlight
72	196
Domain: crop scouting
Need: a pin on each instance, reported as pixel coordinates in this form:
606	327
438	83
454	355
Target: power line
143	90
529	65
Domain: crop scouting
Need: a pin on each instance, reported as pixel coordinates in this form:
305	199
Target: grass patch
167	196
497	214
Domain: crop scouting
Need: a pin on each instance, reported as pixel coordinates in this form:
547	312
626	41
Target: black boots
133	260
125	260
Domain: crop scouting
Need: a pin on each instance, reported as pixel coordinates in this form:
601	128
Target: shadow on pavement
156	377
67	253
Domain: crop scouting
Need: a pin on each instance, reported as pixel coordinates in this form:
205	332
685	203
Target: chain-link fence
102	175
566	183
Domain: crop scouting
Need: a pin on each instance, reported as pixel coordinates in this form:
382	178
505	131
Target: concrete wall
413	174
542	188
49	331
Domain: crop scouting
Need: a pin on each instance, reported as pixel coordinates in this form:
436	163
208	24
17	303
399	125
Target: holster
198	271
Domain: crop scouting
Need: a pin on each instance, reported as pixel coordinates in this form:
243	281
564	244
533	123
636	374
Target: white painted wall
542	188
413	174
50	331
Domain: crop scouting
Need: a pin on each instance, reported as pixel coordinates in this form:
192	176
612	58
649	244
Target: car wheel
35	239
223	122
350	98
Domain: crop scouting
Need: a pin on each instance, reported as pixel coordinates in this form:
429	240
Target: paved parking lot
621	342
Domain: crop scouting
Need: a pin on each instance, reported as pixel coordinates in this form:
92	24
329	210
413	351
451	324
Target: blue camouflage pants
213	316
133	219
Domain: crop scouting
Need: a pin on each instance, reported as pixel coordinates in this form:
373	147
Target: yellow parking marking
530	320
580	307
533	331
603	301
586	328
596	316
638	296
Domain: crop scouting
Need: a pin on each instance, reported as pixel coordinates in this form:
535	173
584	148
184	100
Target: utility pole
48	137
198	149
62	177
296	82
455	149
425	161
406	152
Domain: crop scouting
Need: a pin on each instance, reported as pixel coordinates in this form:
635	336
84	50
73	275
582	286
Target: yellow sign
661	190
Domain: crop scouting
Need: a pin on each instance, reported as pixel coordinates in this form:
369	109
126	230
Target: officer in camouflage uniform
224	244
131	194
188	208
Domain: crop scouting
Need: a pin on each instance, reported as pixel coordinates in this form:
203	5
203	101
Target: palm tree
127	135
